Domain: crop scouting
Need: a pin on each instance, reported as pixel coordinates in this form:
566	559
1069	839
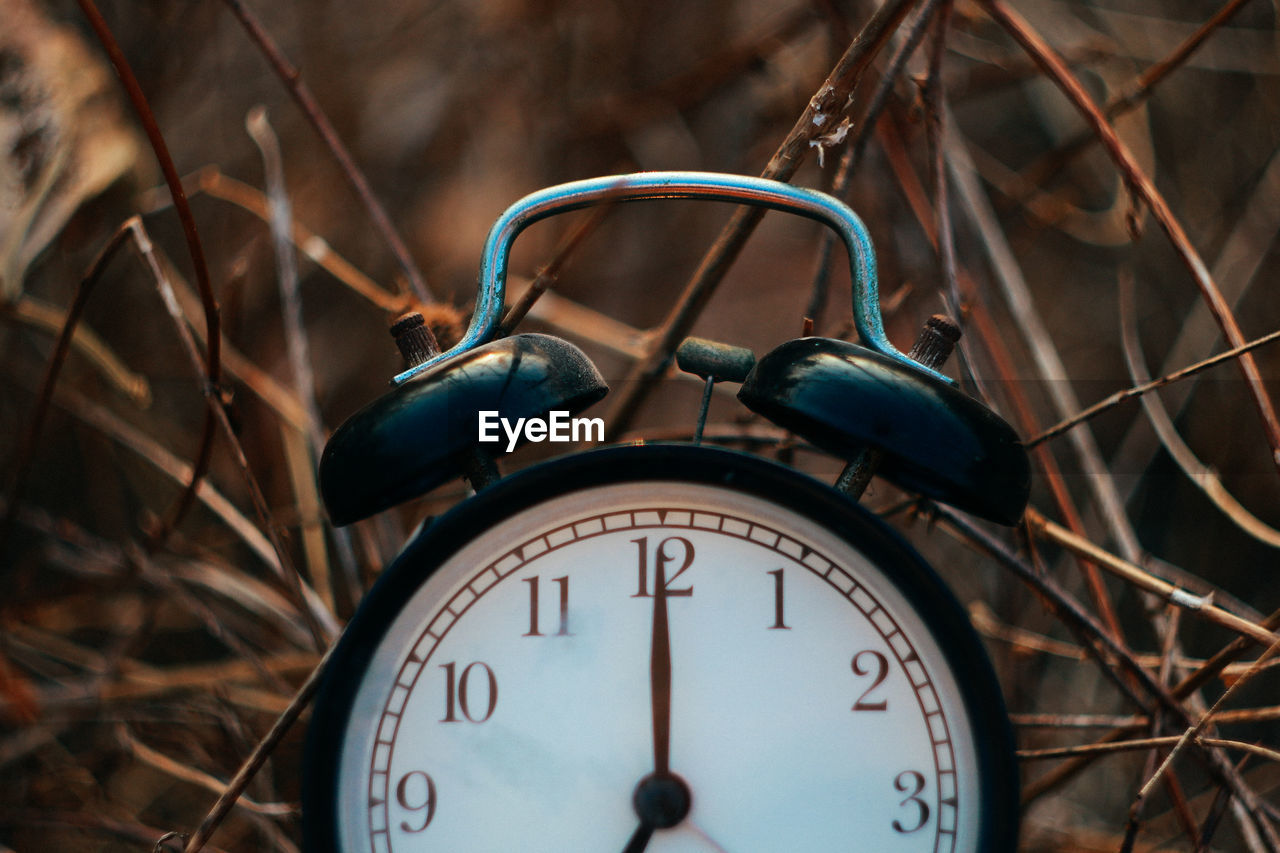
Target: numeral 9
425	793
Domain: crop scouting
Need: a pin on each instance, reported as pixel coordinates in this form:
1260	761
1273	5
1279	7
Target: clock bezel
439	539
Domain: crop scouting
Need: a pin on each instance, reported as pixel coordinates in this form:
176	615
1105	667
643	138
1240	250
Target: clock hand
640	838
660	674
662	798
701	833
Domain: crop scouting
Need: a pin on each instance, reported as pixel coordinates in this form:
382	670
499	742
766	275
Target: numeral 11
563	583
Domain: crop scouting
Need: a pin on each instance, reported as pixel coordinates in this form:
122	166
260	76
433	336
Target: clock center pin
662	800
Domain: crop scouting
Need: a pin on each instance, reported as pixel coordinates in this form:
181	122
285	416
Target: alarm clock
663	647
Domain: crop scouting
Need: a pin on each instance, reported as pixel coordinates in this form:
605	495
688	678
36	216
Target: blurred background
140	665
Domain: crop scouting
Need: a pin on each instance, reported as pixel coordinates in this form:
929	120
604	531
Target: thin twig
299	350
25	455
1144	580
1142	188
1075	617
32	312
1111	721
215	407
1193	734
213	333
822	115
936	131
1237	267
1200	475
178	770
1211	669
1119	397
989	626
1141	744
551	271
1048	362
292	79
1131	95
212	182
255	760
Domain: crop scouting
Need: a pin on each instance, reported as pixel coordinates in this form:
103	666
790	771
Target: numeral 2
865	703
563	583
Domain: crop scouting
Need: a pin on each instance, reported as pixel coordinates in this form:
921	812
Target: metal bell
424	431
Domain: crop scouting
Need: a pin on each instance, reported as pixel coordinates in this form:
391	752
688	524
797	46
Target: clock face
662	649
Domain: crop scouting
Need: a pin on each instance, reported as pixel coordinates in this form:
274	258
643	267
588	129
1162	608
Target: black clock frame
753	475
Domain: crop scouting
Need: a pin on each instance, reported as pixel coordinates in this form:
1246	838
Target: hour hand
639	839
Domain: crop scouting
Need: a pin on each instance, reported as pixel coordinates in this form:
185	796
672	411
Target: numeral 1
778	624
563	583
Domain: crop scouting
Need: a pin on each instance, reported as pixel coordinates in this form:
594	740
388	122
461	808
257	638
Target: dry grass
1096	186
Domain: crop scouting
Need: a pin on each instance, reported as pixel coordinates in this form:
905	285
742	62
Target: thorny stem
292	79
822	115
854	150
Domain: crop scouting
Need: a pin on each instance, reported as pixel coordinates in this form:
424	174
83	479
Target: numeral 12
662	556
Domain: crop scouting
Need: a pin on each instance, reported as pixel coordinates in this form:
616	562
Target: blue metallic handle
712	186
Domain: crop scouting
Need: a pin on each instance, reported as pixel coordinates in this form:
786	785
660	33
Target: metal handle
712	186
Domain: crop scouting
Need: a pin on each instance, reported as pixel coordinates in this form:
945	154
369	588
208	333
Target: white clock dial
779	685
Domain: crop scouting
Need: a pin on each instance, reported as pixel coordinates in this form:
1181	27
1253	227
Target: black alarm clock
664	647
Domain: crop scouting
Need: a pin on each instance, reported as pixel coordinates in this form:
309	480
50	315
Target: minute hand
660	674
